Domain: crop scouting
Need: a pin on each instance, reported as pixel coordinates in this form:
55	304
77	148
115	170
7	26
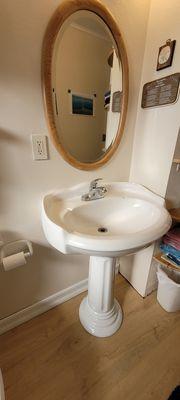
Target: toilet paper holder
17	246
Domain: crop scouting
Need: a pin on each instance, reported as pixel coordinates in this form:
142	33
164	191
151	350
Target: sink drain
102	230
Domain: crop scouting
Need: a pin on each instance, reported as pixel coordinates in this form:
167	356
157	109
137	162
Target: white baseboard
42	306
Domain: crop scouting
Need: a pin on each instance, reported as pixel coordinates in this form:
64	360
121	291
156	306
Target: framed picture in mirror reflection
82	104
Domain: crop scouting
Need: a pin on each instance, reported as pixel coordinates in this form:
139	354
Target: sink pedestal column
99	312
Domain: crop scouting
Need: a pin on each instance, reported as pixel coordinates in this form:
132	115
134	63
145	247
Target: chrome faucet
95	191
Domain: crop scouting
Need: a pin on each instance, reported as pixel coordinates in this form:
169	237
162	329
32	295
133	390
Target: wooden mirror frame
59	17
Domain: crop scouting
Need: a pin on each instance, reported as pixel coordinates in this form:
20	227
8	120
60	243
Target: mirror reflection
86	87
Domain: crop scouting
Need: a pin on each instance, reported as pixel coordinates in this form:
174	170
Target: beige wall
157	128
84	70
156	133
24	181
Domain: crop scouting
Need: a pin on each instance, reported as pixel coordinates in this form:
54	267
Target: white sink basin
127	219
132	215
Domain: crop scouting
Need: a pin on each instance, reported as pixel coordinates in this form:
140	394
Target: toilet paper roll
13	261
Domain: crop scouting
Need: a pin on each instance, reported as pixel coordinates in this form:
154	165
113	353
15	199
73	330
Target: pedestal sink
127	219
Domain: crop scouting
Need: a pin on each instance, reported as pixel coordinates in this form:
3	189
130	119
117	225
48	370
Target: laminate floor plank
53	358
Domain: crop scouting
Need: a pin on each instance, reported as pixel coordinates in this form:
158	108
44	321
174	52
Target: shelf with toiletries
169	249
167	263
176	161
168	252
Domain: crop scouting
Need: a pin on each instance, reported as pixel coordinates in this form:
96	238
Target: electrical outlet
39	147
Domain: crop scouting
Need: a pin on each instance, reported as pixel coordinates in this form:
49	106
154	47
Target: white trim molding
42	306
83	28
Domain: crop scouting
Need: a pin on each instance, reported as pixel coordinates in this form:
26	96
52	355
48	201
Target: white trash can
168	293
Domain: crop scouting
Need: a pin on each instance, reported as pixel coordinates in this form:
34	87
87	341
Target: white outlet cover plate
39	147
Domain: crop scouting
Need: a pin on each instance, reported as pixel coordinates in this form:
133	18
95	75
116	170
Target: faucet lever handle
94	183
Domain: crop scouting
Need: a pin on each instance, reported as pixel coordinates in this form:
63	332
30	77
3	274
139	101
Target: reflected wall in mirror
85	82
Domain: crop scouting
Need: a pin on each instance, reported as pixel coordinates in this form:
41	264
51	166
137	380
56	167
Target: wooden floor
52	357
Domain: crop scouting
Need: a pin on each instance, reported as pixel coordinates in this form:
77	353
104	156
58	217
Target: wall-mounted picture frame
161	92
165	55
117	101
82	104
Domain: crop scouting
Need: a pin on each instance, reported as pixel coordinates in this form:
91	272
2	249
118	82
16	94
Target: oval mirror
85	83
